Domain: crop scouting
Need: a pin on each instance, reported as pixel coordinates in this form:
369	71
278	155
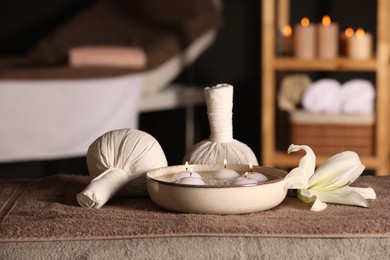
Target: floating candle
186	173
255	175
244	181
225	173
191	181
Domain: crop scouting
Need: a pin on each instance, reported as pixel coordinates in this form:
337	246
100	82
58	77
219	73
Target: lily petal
367	193
306	196
307	162
340	169
342	196
296	179
318	205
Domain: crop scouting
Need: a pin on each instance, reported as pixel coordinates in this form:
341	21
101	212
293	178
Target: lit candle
189	177
191	181
305	40
360	45
244	181
186	173
345	36
225	173
255	175
328	45
284	44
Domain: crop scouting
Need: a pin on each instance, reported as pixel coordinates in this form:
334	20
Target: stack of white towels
330	96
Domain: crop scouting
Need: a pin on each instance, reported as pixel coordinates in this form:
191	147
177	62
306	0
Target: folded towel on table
114	56
323	95
358	96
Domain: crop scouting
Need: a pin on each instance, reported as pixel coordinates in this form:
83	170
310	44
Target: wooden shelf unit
339	64
271	63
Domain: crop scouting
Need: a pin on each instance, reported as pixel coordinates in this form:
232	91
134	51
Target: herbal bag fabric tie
220	145
118	161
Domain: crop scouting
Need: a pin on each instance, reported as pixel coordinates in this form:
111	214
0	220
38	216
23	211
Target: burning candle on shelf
328	44
305	39
255	175
345	36
360	45
284	42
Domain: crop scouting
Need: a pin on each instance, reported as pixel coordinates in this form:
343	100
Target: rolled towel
220	145
291	91
358	96
118	161
106	56
323	96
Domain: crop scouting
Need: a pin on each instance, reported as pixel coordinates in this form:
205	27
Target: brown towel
47	209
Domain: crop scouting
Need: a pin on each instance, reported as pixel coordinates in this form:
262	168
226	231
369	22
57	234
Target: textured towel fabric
355	96
47	210
358	96
323	96
202	247
118	161
105	56
220	145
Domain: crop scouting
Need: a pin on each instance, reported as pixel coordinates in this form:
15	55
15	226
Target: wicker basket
329	134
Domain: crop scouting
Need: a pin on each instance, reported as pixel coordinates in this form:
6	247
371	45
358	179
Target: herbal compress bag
118	161
220	145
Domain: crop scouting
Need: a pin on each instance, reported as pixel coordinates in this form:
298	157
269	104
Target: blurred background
234	58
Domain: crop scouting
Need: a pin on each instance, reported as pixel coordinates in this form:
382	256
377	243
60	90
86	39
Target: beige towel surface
47	209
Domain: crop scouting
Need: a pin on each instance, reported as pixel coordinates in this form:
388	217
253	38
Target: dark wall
22	22
234	58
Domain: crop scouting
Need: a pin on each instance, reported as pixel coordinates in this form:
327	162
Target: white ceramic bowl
215	199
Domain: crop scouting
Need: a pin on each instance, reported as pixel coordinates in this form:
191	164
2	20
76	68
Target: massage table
50	110
40	219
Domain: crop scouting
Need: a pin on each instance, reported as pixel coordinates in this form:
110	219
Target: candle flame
186	165
191	170
225	162
245	174
250	167
360	33
305	22
326	20
349	32
287	31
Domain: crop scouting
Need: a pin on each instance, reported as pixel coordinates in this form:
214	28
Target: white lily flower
330	182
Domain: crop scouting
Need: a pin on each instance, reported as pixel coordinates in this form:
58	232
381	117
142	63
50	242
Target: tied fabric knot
221	145
102	188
